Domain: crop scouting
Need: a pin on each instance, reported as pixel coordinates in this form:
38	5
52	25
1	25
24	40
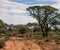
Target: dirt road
26	45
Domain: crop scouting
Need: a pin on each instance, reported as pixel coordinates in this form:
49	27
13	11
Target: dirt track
27	45
22	45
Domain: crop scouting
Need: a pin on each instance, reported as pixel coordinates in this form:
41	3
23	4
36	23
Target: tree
35	26
23	29
2	27
45	15
31	24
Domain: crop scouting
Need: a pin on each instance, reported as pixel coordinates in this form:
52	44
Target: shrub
2	43
57	40
46	40
7	38
19	35
23	29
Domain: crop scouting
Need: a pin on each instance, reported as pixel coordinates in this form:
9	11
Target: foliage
7	38
57	40
23	29
37	29
45	15
2	43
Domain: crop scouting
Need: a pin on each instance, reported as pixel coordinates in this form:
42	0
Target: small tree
23	29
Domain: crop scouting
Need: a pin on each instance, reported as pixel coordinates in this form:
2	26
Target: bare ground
28	44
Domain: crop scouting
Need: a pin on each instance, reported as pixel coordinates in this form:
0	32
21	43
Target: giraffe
15	32
29	33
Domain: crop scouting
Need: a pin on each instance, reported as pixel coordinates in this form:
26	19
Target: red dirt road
27	45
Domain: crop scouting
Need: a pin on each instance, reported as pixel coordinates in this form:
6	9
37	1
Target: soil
28	44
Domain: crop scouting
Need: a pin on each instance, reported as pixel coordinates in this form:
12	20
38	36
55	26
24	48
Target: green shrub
7	38
2	43
19	35
23	29
57	40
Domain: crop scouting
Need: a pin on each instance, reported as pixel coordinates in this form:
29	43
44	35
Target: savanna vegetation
46	29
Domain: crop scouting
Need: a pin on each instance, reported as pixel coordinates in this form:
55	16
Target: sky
14	11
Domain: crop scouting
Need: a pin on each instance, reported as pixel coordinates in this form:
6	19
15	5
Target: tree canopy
45	15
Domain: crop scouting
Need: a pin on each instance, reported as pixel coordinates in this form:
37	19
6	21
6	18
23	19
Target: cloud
50	0
56	4
14	13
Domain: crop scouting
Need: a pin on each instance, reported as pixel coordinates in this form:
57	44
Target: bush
7	38
23	29
20	35
57	40
47	40
2	43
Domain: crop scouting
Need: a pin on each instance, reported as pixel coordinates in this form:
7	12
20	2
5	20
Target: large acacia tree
45	15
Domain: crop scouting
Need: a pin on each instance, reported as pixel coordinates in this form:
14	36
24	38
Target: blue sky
14	11
30	2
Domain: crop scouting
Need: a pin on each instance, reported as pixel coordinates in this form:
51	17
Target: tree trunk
43	32
46	34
